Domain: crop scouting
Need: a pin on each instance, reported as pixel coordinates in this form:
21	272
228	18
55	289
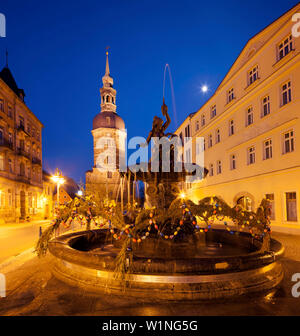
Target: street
17	238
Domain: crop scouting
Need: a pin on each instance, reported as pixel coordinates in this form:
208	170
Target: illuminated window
285	47
291	206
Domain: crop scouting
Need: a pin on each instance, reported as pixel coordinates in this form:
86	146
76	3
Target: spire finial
107	63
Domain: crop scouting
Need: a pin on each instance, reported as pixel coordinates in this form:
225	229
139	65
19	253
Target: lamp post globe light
59	180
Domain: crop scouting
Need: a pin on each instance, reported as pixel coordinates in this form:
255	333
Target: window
1	161
210	141
230	95
109	174
232	162
187	131
30	200
9	111
219	167
204	145
2	199
218	136
253	75
213	111
188	158
251	155
107	99
22	169
231	127
249	116
107	121
270	198
10	138
288	142
203	120
197	125
21	122
265	106
1	135
10	167
211	170
9	197
291	206
1	105
103	99
285	47
267	149
286	93
113	100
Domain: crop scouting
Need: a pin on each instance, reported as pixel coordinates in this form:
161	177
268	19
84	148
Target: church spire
107	65
107	92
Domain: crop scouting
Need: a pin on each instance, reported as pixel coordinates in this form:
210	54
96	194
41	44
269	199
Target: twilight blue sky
57	55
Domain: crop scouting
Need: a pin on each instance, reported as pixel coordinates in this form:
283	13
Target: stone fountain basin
204	266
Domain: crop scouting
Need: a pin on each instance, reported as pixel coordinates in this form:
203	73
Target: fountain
170	249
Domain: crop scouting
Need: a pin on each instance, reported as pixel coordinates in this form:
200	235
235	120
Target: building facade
21	184
109	137
251	127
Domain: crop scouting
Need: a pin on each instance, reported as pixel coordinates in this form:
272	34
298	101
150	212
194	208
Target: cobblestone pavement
32	290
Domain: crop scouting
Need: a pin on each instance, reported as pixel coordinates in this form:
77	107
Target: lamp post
59	180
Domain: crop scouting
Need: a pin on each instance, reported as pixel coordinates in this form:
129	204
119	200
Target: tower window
113	100
107	99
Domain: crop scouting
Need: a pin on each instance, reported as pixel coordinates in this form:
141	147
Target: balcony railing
6	143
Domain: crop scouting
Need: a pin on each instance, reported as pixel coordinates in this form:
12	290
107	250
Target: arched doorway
22	204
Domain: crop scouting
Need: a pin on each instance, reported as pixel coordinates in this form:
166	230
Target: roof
108	120
9	80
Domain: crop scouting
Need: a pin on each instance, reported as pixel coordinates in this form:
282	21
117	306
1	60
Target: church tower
109	142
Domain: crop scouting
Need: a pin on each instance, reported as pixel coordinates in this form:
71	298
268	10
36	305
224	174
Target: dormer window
285	47
108	120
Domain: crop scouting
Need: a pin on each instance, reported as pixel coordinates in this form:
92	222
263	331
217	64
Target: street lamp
59	180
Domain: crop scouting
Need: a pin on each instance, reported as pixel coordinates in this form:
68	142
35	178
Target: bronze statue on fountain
165	168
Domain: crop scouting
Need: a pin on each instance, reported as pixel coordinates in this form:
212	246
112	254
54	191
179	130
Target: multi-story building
21	184
250	126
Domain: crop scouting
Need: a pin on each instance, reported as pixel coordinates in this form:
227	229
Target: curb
17	260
